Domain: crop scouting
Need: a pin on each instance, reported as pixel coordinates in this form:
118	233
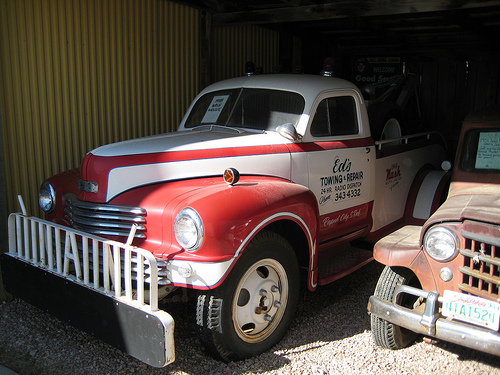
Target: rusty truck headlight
188	229
441	243
47	198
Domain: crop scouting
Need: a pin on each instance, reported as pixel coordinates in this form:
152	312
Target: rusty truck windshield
261	109
481	151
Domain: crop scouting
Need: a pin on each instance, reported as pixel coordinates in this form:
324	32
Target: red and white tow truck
266	183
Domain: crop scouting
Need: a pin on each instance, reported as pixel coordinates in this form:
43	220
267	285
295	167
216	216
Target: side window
335	116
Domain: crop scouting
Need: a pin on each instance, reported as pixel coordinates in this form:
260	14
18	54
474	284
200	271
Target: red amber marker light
231	176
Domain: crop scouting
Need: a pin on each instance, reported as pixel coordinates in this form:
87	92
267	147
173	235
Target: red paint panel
229	213
346	221
66	182
333	145
96	168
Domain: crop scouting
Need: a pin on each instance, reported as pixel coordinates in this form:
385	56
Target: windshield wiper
215	127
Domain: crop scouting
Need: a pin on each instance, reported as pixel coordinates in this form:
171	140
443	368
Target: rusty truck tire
389	335
252	310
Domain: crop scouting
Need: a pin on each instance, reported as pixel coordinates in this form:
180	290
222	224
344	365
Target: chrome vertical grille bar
95	260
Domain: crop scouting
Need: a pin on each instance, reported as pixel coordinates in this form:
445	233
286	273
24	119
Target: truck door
340	164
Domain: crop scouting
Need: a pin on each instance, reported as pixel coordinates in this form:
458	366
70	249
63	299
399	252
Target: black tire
386	121
246	315
386	334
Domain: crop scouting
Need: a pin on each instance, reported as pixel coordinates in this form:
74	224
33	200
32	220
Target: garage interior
452	47
448	50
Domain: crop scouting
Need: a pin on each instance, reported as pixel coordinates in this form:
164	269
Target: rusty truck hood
480	203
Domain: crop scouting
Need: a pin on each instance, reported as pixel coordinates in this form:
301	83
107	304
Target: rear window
481	151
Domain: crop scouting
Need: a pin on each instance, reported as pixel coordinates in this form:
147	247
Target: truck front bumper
432	323
105	288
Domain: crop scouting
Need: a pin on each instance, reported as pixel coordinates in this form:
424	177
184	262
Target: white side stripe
425	196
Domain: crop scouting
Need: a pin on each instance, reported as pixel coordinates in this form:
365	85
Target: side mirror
289	132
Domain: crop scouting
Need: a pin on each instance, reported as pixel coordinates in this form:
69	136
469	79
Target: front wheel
251	311
389	335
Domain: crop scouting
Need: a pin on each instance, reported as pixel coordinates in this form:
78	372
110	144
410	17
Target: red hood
113	169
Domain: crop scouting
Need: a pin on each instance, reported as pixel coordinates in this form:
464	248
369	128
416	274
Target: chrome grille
481	268
104	219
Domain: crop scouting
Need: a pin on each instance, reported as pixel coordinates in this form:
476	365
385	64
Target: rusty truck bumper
431	323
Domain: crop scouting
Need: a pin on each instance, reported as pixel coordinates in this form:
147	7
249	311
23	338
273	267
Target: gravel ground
330	335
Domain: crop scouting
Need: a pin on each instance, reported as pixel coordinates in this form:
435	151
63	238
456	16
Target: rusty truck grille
104	219
481	268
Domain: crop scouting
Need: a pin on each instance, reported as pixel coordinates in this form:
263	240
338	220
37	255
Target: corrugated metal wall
233	46
75	74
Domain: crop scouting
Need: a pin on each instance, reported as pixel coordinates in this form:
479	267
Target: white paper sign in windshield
214	109
488	151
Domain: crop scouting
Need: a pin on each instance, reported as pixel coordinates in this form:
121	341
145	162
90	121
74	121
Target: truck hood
202	137
207	151
480	204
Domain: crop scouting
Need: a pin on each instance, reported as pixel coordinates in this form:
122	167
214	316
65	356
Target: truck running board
341	262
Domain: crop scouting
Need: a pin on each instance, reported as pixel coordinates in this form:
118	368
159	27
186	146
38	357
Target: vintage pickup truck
442	279
267	181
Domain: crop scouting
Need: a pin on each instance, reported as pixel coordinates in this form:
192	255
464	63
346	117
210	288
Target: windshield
261	109
481	151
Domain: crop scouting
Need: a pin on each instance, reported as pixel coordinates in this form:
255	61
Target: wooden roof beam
343	9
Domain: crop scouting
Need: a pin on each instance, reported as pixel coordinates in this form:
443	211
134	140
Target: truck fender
402	249
427	193
233	215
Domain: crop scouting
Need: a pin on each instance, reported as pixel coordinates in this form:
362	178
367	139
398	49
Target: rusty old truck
442	279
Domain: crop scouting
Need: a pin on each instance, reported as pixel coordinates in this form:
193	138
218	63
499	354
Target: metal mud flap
104	288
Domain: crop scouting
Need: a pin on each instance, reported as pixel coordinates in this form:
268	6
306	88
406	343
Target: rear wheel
391	129
389	335
251	311
386	121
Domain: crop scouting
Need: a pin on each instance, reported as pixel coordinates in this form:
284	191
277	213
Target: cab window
335	116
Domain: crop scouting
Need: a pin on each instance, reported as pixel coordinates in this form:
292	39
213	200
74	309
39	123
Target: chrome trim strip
104	219
104	207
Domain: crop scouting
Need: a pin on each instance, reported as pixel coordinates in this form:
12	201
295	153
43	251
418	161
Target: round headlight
441	243
47	197
188	229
